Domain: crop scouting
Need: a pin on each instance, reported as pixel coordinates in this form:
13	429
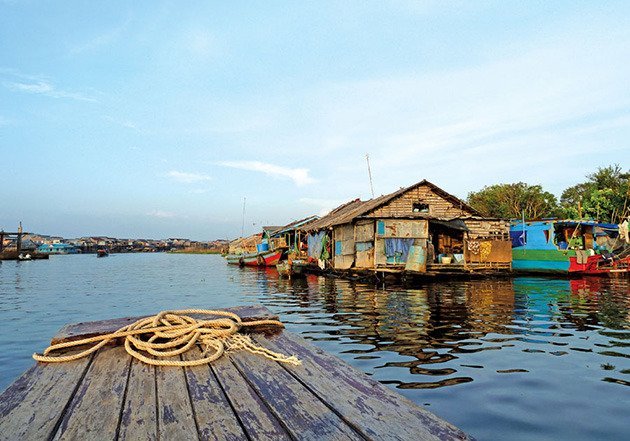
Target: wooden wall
488	251
480	228
404	228
364	243
403	205
343	246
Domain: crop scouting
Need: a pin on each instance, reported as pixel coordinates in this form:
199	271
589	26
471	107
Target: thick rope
171	333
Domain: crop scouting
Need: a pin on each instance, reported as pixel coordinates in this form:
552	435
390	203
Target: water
528	358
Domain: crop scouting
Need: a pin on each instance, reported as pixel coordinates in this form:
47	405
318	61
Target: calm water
528	358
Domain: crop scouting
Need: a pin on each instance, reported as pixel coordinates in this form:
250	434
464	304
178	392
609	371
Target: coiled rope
171	333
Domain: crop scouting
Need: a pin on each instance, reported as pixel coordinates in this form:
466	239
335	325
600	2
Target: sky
166	119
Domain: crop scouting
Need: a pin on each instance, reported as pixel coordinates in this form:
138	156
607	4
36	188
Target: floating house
417	229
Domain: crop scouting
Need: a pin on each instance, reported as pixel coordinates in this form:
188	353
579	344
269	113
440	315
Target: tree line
604	196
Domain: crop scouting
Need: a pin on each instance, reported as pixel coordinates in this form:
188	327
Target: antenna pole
243	220
367	158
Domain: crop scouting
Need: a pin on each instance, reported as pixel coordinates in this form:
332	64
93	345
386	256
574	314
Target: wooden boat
241	396
298	266
284	269
568	247
264	258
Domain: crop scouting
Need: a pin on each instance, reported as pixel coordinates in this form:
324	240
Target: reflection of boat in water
102	252
284	268
568	247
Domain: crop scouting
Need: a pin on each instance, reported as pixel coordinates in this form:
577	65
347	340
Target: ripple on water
503	359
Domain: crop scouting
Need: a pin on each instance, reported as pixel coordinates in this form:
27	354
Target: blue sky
156	119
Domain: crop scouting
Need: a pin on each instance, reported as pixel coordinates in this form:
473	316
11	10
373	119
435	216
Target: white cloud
187	178
299	176
160	214
44	87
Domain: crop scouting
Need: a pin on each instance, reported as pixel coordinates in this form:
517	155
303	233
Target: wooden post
19	238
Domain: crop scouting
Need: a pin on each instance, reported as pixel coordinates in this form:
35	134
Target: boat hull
267	258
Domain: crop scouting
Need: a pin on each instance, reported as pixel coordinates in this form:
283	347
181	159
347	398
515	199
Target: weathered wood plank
255	416
139	416
31	407
94	412
77	331
175	413
302	413
371	408
214	416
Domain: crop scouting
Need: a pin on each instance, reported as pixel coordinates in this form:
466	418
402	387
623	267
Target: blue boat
58	248
565	247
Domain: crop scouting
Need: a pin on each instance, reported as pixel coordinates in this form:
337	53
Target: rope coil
171	333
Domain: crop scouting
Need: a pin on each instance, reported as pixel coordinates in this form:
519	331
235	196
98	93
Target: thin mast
367	158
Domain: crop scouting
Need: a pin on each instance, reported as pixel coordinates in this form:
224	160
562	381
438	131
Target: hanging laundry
519	238
485	248
473	246
315	244
398	248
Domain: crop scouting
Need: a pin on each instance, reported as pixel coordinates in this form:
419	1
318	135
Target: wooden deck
240	396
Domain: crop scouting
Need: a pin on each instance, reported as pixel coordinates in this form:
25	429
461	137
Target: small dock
110	395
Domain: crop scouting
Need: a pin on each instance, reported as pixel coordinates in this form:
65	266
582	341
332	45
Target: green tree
604	196
509	201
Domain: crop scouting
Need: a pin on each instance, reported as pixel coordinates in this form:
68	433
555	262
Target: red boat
599	265
265	258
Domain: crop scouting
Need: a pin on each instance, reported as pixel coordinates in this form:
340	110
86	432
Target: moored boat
102	252
265	258
58	248
569	247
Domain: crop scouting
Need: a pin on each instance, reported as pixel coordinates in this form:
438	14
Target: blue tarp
364	246
399	248
519	238
314	242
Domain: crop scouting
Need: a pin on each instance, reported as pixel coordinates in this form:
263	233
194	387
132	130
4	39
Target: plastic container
446	260
262	247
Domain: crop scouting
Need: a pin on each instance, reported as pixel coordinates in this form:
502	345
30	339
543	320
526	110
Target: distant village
34	242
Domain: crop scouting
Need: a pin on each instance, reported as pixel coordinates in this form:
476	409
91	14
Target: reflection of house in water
426	323
419	229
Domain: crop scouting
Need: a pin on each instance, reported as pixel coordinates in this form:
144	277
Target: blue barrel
261	247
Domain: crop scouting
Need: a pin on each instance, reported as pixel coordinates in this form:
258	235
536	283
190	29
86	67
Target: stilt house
418	229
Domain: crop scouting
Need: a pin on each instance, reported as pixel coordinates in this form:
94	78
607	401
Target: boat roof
567	223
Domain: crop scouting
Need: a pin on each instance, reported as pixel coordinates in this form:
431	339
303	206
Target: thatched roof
349	211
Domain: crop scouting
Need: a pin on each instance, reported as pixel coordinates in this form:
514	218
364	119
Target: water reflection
521	358
432	325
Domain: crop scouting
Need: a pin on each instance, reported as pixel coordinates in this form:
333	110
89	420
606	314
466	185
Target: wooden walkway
238	397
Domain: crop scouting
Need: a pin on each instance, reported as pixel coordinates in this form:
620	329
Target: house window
419	207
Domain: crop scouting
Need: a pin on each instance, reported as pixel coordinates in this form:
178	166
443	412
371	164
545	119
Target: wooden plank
304	415
214	416
372	409
175	414
139	416
77	331
94	412
255	416
31	407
